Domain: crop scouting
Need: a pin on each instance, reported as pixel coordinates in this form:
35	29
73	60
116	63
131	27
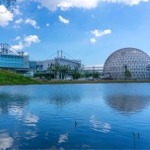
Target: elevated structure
127	63
60	60
12	60
93	68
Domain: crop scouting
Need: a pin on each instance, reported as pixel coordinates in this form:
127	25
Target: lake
80	116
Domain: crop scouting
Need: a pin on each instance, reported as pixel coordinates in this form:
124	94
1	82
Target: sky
88	30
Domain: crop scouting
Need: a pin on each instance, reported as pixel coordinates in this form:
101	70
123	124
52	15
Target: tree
96	75
128	74
76	73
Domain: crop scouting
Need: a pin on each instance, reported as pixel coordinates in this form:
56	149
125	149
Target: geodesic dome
132	59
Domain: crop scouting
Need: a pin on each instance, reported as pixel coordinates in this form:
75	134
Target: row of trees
58	71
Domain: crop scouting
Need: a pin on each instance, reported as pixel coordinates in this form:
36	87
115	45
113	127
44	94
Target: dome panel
128	60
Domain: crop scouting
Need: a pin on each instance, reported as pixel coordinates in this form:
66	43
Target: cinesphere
135	60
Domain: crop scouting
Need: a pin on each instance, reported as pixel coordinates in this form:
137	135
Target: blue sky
85	29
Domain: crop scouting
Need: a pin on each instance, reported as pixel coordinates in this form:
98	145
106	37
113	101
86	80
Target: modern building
127	63
93	68
12	60
59	61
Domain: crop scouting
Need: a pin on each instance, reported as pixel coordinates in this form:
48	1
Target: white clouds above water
86	4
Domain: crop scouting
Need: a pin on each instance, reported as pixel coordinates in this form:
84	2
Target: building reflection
60	99
127	104
8	101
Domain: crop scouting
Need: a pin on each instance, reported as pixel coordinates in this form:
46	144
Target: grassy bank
11	78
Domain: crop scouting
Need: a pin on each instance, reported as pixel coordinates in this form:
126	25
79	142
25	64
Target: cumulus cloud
93	40
99	33
5	16
86	4
16	10
31	39
19	21
25	42
32	23
47	25
18	46
63	20
127	2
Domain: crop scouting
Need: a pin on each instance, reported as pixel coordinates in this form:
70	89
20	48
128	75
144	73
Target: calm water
44	116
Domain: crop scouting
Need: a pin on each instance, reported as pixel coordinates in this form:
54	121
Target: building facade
61	66
17	61
127	63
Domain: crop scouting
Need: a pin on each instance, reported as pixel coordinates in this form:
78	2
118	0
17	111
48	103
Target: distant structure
58	65
127	63
93	68
61	60
12	60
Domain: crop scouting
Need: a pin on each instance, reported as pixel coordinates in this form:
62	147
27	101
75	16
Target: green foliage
96	75
59	70
76	75
128	74
11	78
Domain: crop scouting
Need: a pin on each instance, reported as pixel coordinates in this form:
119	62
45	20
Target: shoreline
43	82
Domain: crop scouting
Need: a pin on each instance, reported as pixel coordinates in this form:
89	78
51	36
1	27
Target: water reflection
99	126
127	103
60	99
12	103
6	142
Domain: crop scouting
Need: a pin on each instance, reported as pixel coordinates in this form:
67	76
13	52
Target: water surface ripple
83	116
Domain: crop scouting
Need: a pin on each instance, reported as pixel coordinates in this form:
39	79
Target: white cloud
127	2
16	10
5	16
32	23
18	46
17	38
19	21
86	4
93	40
31	39
39	7
63	20
47	25
25	42
99	33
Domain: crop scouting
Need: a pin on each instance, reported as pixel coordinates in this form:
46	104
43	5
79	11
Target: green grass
11	78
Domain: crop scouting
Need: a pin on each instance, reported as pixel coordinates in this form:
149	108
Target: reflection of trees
127	103
60	99
8	100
